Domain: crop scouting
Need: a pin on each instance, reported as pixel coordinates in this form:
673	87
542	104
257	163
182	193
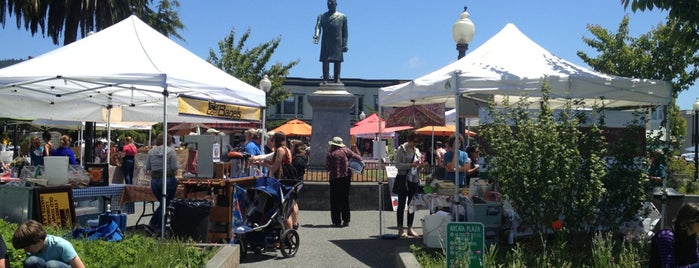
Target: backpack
108	232
287	171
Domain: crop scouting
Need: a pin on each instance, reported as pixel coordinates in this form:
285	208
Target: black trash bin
673	202
190	219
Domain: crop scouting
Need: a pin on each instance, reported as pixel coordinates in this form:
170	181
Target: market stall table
139	193
110	194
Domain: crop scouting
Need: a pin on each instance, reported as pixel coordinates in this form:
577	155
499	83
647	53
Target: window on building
292	105
299	104
358	105
376	102
657	113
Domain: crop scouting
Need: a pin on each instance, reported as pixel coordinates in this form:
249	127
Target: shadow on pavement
375	252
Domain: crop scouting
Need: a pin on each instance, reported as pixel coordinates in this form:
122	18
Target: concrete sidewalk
323	245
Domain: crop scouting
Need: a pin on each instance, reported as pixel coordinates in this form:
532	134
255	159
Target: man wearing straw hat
337	165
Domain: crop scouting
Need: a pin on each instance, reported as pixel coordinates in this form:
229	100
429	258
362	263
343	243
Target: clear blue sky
387	39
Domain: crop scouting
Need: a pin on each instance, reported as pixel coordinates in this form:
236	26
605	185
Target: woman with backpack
678	246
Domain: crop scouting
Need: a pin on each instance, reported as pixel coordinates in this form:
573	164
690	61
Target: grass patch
135	250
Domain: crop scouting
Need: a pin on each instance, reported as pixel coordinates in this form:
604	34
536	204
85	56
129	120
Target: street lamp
265	85
462	32
696	139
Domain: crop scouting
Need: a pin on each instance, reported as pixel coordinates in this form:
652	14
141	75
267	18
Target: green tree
685	11
7	62
546	166
250	64
66	19
661	54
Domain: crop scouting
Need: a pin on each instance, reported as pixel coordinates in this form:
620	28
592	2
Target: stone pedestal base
331	118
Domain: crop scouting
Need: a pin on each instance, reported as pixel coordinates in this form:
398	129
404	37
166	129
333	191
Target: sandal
412	233
402	234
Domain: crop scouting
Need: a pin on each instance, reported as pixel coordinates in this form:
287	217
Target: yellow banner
216	109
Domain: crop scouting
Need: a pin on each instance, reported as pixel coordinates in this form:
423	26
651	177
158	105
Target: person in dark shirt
678	246
65	150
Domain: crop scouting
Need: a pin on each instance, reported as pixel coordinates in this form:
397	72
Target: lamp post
265	85
696	138
462	32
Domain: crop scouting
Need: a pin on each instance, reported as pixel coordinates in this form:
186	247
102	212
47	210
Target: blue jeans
127	168
36	262
156	185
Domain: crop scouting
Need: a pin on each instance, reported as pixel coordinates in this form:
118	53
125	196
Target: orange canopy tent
447	130
295	127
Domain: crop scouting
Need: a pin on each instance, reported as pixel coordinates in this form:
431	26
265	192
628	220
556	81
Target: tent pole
432	152
81	143
163	204
380	178
456	145
468	133
663	207
109	134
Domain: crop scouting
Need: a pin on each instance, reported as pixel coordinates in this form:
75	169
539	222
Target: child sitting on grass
44	250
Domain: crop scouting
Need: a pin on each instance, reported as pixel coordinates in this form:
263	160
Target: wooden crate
221	169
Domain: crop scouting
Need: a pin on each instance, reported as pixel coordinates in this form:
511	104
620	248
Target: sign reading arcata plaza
463	237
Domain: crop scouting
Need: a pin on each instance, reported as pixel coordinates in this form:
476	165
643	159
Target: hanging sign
216	156
190	106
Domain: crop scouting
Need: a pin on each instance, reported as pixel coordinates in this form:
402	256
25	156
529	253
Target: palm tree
68	17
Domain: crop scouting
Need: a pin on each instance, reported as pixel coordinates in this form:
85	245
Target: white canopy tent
127	67
511	64
127	72
79	125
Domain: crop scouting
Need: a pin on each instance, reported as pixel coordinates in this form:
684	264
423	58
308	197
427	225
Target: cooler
118	217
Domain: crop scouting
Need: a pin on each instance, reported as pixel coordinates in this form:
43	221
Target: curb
405	258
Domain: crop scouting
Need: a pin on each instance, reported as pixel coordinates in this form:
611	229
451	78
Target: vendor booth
510	65
126	73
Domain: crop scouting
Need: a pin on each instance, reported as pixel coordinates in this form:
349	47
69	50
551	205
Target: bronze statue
333	26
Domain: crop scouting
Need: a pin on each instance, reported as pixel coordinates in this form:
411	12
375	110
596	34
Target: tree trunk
70	32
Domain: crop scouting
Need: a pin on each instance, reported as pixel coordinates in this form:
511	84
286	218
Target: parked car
689	157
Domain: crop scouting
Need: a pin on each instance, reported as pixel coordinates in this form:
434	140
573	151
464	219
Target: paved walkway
323	245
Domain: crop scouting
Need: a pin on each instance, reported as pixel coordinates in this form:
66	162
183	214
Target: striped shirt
665	248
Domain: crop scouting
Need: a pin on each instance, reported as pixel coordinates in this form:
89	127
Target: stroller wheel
289	243
243	247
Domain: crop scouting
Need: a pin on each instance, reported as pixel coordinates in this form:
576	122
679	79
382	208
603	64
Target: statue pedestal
331	103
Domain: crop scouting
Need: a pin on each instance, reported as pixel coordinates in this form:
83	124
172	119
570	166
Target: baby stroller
270	204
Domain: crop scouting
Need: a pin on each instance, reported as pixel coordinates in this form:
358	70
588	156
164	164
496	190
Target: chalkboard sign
54	206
